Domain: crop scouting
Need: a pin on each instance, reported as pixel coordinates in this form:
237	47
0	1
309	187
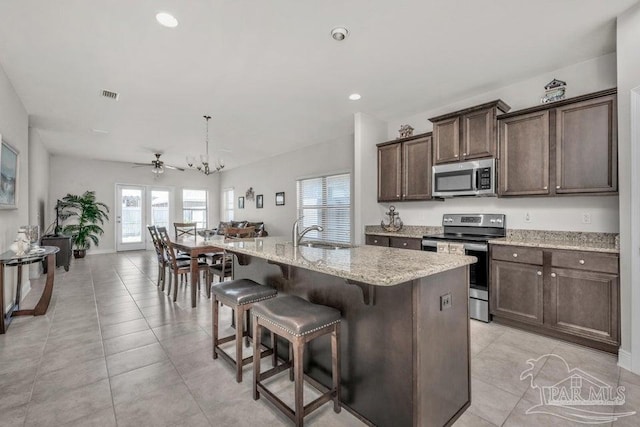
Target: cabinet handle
539	273
581	262
397	195
464	154
545	188
553	274
515	255
455	155
375	241
404	244
557	187
404	195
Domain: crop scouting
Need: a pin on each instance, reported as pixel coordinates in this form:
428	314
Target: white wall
279	173
75	176
38	186
14	128
546	213
628	46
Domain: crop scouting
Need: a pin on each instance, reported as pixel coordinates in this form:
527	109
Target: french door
137	207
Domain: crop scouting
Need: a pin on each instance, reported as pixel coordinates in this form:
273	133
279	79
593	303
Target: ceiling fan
158	165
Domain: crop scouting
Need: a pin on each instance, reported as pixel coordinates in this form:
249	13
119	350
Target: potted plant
90	215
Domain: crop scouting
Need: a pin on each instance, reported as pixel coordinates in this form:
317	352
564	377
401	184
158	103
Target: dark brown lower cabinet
584	303
394	242
571	295
517	291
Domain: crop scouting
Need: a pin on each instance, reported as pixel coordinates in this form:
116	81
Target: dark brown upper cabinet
467	134
568	147
404	169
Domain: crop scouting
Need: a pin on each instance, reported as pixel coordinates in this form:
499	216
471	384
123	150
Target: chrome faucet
296	236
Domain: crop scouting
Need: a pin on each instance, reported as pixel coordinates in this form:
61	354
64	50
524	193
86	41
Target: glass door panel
130	224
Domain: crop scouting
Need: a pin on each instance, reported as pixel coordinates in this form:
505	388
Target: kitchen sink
325	245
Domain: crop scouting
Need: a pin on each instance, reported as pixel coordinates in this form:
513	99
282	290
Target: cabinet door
516	291
446	141
405	243
584	303
389	173
377	240
416	182
479	134
586	146
524	155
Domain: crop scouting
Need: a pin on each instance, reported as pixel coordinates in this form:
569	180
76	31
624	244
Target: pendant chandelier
205	166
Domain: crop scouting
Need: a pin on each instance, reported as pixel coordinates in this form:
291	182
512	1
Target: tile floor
114	350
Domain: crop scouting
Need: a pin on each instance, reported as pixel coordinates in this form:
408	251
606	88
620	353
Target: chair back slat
168	246
184	229
157	244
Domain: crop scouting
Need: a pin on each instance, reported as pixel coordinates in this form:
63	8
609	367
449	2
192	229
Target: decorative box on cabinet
63	257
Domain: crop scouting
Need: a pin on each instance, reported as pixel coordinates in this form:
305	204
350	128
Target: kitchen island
405	332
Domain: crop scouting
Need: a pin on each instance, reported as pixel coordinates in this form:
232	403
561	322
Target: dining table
11	259
195	247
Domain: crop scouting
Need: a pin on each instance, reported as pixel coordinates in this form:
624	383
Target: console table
9	259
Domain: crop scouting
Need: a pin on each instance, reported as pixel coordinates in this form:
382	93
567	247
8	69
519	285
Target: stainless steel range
468	234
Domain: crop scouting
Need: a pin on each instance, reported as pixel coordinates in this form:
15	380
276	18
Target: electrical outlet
445	301
527	217
586	218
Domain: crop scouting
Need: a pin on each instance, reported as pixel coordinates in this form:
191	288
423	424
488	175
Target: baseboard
100	251
624	359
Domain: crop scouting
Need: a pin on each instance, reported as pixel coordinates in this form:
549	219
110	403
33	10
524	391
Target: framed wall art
240	202
8	176
280	199
259	201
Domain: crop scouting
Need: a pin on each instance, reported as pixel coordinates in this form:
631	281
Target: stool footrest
246	360
277	402
274	371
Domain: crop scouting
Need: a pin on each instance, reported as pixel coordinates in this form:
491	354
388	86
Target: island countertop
373	265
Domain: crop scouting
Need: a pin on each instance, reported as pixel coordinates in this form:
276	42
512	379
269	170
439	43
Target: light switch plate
445	301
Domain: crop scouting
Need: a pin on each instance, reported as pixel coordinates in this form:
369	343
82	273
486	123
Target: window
326	201
194	207
227	204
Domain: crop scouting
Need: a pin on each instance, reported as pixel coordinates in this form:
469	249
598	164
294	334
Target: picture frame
240	202
259	201
9	161
280	198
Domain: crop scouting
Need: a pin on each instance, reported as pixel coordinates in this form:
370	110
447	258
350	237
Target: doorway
137	207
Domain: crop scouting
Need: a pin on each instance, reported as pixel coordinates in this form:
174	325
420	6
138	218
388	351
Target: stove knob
492	220
499	221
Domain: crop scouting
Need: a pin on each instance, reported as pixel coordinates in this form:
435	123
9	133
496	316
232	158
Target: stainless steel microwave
473	178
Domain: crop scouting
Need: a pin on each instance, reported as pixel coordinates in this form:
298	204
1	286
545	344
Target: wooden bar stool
298	321
240	295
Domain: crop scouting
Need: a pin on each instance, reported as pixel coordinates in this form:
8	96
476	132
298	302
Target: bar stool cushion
296	315
243	291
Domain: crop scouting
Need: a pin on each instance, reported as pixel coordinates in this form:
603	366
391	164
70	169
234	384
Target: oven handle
430	243
478	247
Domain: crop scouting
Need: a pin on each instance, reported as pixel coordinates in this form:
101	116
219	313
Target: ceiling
268	71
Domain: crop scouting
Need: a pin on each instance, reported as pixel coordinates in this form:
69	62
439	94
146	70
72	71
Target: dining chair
179	267
224	267
184	229
162	259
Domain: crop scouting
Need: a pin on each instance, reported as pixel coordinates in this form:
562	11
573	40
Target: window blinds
326	201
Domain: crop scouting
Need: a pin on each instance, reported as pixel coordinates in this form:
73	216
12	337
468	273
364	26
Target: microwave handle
476	179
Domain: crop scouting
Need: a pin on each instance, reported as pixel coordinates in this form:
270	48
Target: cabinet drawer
517	254
605	263
406	243
378	240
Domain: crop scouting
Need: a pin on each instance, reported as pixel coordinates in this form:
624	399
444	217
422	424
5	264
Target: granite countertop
367	264
570	240
410	231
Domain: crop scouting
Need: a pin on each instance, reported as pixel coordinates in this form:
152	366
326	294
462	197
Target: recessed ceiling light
339	33
354	96
167	20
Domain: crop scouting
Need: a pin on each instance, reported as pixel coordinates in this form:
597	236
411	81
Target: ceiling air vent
111	95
